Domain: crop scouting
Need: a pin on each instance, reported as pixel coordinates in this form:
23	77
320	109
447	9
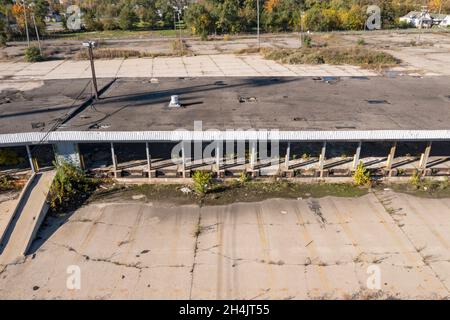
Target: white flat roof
248	135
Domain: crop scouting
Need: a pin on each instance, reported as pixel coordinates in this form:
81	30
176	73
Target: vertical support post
94	78
218	151
113	155
30	158
425	156
149	160
322	157
288	155
357	156
26	22
257	22
80	156
253	155
390	158
183	159
37	33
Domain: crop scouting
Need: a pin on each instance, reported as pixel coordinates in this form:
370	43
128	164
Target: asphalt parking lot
275	249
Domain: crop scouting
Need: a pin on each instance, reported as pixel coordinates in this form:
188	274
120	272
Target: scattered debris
247	99
138	197
377	101
37	125
186	190
99	126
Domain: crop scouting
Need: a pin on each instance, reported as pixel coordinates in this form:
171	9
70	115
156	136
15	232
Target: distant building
425	19
437	18
418	19
445	22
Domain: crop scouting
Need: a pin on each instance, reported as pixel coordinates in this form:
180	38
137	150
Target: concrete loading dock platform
323	126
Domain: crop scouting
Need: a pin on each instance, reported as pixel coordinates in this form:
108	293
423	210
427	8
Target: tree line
206	17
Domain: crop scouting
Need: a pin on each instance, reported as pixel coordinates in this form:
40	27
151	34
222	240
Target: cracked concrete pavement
275	249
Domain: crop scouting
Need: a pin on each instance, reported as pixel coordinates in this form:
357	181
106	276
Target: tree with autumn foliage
199	18
37	8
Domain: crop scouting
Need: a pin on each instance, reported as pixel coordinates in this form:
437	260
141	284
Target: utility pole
37	33
301	29
26	22
179	27
90	45
257	23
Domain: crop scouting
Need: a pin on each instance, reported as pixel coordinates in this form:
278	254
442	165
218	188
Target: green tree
40	9
353	19
166	12
127	17
5	17
199	19
3	36
147	12
314	19
91	21
228	16
282	15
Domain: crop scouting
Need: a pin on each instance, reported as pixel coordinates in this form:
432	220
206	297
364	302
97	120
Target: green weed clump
361	177
6	183
33	54
70	186
415	180
202	181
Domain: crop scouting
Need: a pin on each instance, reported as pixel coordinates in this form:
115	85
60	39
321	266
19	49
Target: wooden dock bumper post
322	158
149	160
114	160
218	153
357	156
288	155
390	158
30	158
253	155
424	158
183	159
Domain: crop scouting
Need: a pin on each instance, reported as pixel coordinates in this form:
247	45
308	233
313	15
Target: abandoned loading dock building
324	126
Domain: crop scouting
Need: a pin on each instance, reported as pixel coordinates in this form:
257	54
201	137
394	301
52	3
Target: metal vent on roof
247	99
37	125
174	102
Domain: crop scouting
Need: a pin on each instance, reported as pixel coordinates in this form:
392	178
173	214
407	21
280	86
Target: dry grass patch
249	50
357	55
116	53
